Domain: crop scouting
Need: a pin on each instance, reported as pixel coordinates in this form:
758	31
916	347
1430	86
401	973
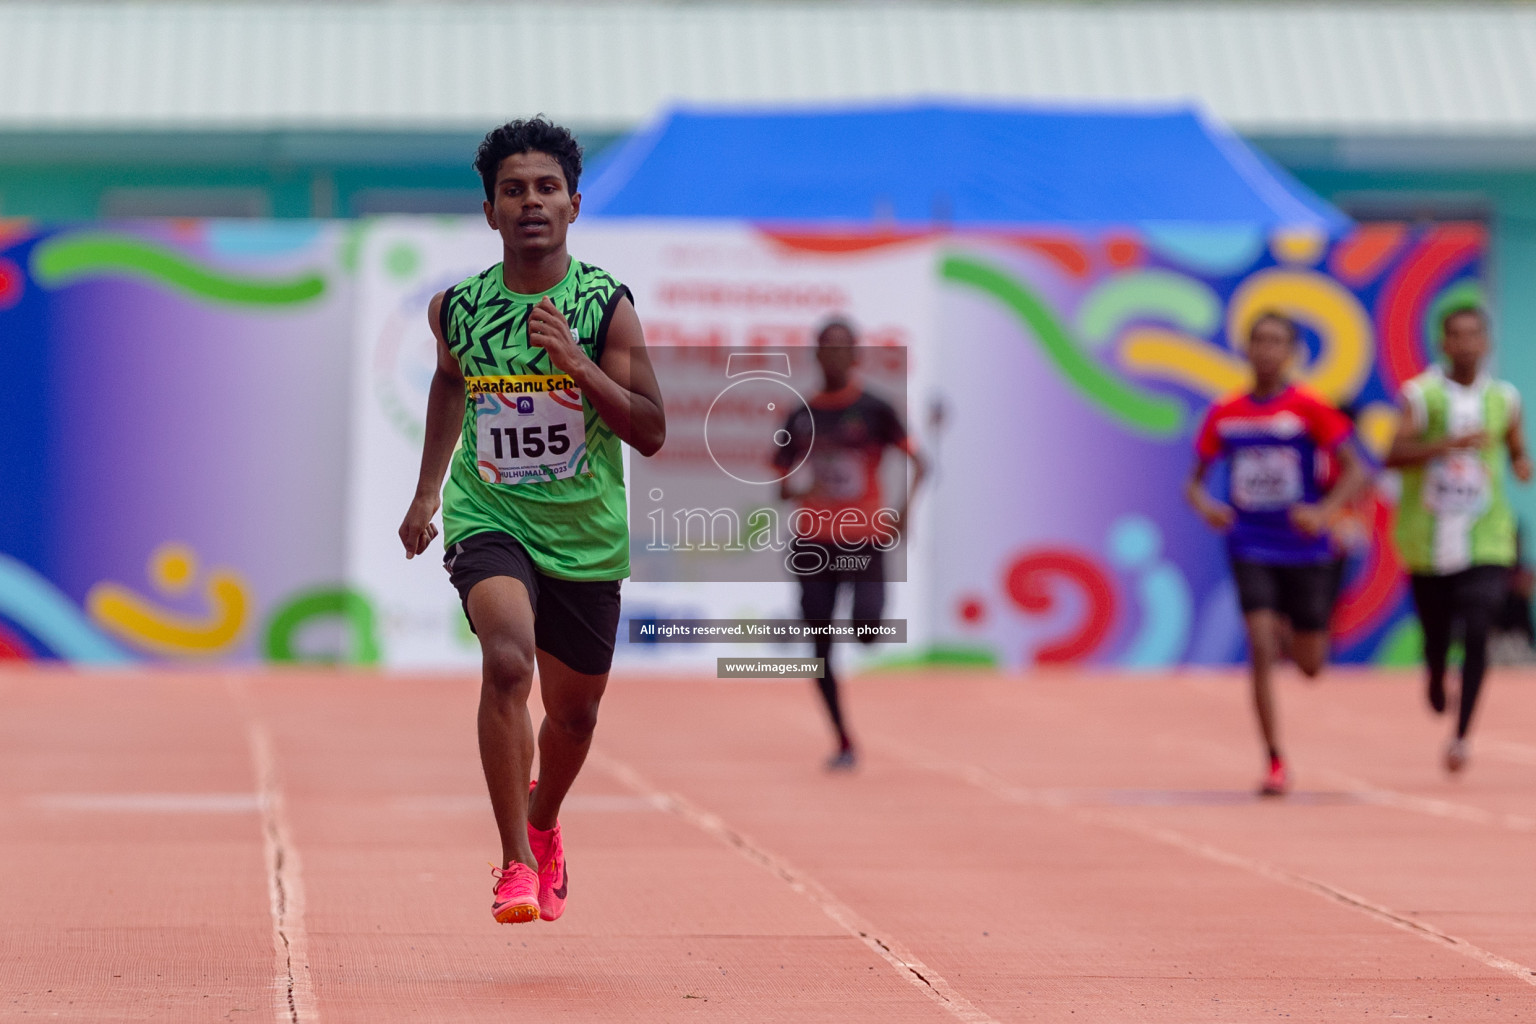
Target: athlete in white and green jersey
1455	529
542	372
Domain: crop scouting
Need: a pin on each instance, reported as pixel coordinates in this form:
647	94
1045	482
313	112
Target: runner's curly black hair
528	135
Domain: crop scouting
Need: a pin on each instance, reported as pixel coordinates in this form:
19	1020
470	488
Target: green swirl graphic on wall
73	258
339	604
1140	410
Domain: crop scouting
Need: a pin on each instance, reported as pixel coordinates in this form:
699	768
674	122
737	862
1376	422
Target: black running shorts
574	620
1302	593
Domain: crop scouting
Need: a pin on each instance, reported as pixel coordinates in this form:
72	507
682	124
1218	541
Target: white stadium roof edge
1284	69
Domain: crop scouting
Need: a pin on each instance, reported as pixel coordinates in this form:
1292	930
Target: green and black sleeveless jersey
573	528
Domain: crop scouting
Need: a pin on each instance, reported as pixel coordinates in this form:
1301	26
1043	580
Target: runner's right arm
1218	514
445	419
1409	448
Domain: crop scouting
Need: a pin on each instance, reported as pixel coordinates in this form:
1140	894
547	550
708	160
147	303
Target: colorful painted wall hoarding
172	431
1056	377
1081	367
211	430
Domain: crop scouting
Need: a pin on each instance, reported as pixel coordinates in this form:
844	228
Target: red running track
308	846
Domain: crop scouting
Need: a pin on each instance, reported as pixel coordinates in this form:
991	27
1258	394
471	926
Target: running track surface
308	846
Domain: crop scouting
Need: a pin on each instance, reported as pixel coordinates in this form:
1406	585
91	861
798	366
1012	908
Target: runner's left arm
919	471
622	388
1354	477
1519	458
1333	432
894	433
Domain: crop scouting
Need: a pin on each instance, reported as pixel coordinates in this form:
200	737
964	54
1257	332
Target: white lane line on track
479	803
1368	792
285	885
1508	751
925	978
1005	791
1432	806
149	803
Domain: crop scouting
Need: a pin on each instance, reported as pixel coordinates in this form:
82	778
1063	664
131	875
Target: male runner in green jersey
1455	529
542	370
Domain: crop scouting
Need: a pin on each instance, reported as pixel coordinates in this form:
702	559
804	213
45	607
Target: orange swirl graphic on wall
141	622
1361	256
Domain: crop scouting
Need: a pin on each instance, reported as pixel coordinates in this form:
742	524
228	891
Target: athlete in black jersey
845	527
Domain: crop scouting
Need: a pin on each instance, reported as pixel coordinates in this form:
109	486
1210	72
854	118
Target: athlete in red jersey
1278	441
846	526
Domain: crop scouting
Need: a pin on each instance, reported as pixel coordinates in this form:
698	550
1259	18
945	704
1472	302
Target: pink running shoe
517	894
549	851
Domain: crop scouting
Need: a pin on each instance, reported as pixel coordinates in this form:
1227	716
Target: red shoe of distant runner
1456	756
1277	781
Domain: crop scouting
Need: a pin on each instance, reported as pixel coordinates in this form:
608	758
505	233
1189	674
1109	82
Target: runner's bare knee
1310	652
576	718
508	665
1262	641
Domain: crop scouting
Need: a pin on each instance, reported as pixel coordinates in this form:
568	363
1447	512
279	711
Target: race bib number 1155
528	429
